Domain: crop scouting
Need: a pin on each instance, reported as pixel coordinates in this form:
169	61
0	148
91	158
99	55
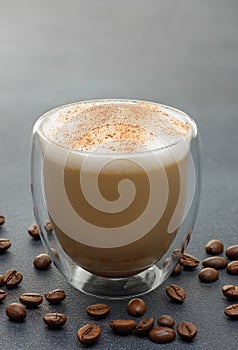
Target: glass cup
115	187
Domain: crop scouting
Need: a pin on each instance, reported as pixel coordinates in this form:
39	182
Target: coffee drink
115	176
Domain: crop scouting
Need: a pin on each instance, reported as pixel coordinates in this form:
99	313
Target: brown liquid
124	259
132	258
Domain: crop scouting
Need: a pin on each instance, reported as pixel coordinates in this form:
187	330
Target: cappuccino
115	181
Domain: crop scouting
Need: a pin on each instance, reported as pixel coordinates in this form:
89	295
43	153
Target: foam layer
115	126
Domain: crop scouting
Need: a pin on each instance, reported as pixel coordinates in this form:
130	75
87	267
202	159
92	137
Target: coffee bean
188	261
3	295
55	320
177	270
217	262
34	231
122	327
89	333
230	291
1	280
16	312
2	220
232	252
232	267
42	261
232	311
5	244
136	307
55	296
48	226
31	299
98	310
214	247
144	326
162	334
187	330
166	321
208	274
176	293
12	278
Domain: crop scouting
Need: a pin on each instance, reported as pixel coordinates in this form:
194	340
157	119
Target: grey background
182	53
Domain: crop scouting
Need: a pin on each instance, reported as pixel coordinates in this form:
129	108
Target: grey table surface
182	53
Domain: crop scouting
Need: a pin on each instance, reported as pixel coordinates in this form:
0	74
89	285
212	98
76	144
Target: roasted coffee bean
176	293
55	320
214	247
16	312
230	291
1	280
5	244
89	333
188	261
217	262
166	321
232	267
34	231
162	334
98	310
2	220
12	278
208	274
232	311
144	326
187	330
55	296
122	327
177	270
232	252
42	261
31	299
48	226
3	295
136	307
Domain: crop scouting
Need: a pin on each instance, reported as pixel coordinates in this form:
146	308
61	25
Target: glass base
117	288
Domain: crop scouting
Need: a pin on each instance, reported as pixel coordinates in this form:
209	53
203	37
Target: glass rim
188	118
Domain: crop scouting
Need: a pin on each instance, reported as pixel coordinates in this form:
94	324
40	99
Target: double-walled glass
119	217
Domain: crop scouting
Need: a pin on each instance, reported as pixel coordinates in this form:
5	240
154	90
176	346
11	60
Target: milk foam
109	126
